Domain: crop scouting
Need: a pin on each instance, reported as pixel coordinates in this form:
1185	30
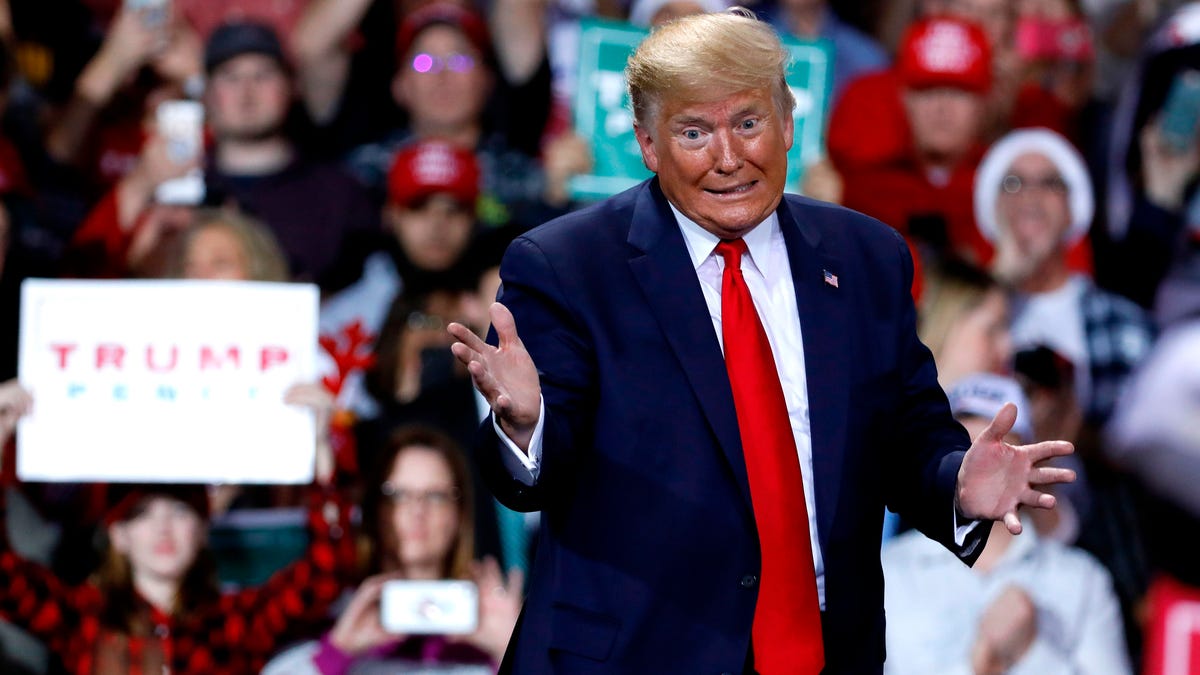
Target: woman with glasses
419	520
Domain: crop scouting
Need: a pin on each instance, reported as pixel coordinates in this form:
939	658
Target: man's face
1033	208
945	121
443	81
248	98
723	163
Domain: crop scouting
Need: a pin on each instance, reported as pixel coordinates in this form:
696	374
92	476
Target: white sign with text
166	381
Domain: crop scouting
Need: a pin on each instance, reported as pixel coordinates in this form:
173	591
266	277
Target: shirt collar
701	243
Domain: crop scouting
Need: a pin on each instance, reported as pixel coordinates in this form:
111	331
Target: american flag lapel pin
830	278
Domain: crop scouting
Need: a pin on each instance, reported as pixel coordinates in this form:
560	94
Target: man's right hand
505	375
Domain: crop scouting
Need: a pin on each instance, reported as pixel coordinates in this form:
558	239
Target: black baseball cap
242	37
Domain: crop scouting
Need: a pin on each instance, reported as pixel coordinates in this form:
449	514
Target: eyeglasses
434	499
428	63
1014	184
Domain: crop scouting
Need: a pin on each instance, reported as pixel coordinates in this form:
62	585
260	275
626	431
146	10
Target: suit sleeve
931	444
555	335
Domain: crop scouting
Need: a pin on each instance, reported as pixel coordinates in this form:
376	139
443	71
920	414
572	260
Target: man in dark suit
728	391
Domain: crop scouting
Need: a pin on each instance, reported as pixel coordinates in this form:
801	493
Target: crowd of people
1039	157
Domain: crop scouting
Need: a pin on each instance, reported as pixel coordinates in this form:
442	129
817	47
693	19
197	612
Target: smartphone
181	124
1181	111
429	607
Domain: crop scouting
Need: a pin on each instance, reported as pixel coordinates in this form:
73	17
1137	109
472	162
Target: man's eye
691	134
749	124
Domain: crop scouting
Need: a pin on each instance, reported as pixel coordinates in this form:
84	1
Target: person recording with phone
1152	204
149	54
254	160
418	520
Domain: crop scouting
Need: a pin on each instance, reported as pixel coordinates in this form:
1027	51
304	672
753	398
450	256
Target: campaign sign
166	381
604	116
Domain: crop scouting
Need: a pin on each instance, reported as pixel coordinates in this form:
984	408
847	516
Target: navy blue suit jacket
648	556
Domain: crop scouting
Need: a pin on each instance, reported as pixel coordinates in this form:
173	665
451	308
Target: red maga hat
945	52
430	167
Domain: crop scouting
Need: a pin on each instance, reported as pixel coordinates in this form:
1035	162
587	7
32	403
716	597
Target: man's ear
789	130
646	143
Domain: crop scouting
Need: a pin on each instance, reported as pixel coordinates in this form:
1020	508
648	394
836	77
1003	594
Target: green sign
603	114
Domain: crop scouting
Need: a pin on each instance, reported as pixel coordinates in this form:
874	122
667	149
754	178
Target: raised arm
319	46
31	595
555	339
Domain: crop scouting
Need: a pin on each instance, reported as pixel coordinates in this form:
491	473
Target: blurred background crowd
1041	158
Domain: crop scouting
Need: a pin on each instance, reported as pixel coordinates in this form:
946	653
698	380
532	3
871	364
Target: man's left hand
996	477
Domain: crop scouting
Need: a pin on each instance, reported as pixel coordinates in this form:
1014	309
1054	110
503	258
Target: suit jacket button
749	581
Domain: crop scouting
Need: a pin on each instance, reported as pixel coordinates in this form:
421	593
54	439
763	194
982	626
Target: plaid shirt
236	634
1119	335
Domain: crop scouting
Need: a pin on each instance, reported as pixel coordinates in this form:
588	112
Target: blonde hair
706	56
264	256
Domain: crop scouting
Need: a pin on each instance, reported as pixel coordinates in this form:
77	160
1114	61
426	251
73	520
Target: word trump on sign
173	381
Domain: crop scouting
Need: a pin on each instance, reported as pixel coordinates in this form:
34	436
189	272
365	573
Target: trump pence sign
166	381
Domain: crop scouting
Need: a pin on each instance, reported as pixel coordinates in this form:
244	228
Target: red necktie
787	619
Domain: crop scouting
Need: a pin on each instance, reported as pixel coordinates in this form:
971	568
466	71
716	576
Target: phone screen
181	125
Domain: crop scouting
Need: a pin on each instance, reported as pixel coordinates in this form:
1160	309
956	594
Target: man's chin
252	134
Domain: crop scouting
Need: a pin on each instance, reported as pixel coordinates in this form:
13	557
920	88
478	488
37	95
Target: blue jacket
648	557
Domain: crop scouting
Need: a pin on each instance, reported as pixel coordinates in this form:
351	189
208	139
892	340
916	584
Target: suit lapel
823	322
668	281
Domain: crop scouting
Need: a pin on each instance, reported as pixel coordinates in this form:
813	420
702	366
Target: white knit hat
998	160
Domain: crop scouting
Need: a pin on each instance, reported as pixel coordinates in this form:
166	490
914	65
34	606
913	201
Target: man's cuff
963	530
521	465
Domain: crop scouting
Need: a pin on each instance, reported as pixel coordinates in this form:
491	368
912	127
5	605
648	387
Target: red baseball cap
446	13
430	167
945	52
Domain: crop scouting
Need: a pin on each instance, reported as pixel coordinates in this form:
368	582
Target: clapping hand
1006	631
997	477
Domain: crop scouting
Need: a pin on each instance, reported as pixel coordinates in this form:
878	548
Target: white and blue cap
984	394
